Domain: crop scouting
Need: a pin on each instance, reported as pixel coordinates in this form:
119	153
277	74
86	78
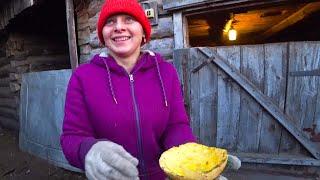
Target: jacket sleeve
77	133
178	130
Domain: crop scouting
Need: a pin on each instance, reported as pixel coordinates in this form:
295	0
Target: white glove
221	178
108	160
233	162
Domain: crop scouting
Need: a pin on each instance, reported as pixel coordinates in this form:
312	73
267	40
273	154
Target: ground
18	165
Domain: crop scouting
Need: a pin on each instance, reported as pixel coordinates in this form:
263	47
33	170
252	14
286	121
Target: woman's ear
144	39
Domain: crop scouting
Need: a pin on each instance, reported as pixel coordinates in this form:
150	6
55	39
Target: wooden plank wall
303	91
242	125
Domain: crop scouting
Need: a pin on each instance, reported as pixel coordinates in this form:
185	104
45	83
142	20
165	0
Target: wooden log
6	69
22	69
9	102
9	112
49	67
15	77
41	60
18	63
5	92
14	87
4	61
9	123
4	81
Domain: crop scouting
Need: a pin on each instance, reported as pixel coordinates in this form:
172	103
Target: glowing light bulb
232	34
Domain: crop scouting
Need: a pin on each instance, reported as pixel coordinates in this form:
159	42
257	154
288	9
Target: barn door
257	101
41	115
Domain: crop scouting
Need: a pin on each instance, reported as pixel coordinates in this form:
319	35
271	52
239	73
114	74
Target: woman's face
122	35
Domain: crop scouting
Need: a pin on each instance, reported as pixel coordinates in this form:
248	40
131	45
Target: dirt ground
18	165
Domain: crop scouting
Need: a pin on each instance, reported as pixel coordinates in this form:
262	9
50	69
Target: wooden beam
9	102
72	39
5	70
293	19
4	61
4	82
15	77
8	112
14	87
277	159
178	30
58	59
10	9
263	100
5	92
199	5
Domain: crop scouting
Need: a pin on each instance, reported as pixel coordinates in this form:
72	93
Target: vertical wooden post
72	39
178	30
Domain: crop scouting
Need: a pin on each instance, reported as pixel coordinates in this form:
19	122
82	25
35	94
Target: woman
123	109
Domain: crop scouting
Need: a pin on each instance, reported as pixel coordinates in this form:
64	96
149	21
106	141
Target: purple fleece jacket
145	113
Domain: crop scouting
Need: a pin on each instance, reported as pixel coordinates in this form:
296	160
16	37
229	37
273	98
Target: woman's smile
121	38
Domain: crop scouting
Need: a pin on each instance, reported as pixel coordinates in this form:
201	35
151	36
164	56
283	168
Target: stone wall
87	13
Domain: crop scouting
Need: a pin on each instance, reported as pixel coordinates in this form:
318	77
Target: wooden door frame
182	9
72	38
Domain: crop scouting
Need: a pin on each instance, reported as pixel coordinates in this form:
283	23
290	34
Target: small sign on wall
151	10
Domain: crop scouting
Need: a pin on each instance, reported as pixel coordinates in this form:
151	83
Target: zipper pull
131	77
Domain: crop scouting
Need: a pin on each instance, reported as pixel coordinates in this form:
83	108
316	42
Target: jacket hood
147	60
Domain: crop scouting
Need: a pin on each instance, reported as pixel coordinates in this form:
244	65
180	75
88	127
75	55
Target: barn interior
255	25
39	30
33	38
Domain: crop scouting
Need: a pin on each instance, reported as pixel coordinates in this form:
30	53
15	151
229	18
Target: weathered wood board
275	57
228	101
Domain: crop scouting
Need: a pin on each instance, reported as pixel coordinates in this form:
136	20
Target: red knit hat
130	7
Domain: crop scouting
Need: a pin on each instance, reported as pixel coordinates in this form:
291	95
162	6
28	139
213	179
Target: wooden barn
250	71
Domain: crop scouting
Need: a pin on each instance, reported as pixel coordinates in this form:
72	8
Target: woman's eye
109	22
129	20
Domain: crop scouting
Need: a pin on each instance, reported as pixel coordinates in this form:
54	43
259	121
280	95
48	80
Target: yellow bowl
192	161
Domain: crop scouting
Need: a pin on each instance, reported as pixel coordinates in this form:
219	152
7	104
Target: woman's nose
119	26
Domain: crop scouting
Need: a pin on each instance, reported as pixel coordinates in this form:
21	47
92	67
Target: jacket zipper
138	124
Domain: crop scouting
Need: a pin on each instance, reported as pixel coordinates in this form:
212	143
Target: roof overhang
10	8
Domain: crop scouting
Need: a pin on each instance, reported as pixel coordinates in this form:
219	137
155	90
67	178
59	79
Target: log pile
9	99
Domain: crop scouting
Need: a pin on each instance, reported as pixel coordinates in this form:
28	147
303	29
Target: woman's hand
108	160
